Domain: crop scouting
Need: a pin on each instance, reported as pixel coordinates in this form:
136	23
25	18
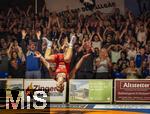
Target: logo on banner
27	94
132	90
48	87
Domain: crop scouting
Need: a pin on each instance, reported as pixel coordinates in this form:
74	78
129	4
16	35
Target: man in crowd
33	65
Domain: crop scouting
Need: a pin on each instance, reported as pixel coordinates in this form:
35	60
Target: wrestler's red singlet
61	65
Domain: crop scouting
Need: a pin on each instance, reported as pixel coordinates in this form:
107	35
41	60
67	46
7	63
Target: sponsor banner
132	90
46	85
91	91
14	94
105	6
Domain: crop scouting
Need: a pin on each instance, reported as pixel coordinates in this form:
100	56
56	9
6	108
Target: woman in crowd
131	71
96	40
103	65
115	52
15	52
132	51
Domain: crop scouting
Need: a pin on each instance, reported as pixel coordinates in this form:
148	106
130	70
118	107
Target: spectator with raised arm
32	70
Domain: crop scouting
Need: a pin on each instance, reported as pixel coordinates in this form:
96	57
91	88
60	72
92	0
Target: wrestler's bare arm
46	64
48	55
43	60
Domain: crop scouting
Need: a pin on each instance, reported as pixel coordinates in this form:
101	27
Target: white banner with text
105	6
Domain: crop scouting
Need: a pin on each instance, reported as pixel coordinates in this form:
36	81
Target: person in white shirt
132	51
96	40
103	65
141	34
115	51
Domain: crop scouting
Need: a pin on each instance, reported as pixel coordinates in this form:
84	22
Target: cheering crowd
112	45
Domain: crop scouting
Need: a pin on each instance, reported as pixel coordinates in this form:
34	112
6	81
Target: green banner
98	91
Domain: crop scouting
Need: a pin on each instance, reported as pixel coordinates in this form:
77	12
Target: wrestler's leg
69	52
48	51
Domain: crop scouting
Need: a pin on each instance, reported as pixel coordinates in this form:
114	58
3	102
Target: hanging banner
46	85
105	6
132	90
91	91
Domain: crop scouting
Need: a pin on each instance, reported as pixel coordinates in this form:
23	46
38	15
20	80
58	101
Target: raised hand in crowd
24	33
38	34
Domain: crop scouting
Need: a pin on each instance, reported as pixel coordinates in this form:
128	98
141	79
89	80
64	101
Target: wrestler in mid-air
62	61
